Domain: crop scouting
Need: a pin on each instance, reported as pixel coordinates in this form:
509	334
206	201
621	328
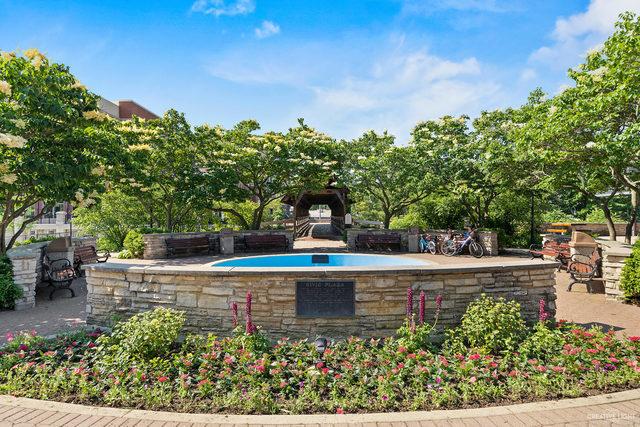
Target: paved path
621	408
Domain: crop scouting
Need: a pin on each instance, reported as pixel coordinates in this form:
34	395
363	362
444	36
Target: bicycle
455	246
430	243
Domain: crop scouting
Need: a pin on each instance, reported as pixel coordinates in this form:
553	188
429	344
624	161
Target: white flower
95	115
9	179
590	144
12	141
5	88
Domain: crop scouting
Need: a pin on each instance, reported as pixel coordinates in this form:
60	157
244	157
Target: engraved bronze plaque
323	298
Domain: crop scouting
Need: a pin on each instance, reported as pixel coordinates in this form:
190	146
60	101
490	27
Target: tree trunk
631	225
610	225
387	219
257	217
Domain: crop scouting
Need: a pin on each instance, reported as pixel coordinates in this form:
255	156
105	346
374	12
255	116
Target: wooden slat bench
202	245
266	242
557	250
87	255
387	242
583	269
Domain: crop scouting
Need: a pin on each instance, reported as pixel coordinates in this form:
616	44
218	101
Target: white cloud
267	29
381	82
429	6
400	90
224	7
528	74
576	35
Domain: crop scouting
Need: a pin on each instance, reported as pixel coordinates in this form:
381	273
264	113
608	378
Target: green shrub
134	243
145	336
35	240
491	326
543	344
9	291
630	277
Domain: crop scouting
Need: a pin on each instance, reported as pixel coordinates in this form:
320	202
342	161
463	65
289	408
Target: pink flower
340	411
10	337
438	304
234	314
249	329
409	302
542	313
542	368
475	356
320	365
473	380
325	371
23	347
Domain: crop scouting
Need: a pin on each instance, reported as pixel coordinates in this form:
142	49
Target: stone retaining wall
410	238
206	293
613	258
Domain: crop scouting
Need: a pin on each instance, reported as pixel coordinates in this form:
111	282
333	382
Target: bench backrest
85	253
265	238
188	243
379	238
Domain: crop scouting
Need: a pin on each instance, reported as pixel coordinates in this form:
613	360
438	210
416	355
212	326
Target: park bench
264	242
387	242
87	255
555	249
191	246
59	274
583	269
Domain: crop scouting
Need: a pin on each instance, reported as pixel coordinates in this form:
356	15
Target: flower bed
142	365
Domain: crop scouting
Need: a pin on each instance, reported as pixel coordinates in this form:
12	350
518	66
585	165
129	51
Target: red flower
513	373
325	371
319	365
163	379
542	368
91	344
337	376
475	356
634	338
340	411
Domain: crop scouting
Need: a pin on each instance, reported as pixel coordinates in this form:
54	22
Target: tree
112	218
53	144
394	176
164	169
264	168
604	101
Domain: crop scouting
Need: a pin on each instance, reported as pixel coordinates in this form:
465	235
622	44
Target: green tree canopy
53	144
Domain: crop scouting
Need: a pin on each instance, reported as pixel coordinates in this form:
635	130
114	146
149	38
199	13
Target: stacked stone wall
206	295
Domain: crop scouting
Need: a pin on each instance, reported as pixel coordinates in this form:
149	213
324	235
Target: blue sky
345	66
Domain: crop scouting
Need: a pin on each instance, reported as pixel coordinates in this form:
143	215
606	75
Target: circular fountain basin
322	260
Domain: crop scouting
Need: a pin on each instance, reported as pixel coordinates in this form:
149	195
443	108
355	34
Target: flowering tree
393	176
264	168
163	168
53	146
601	109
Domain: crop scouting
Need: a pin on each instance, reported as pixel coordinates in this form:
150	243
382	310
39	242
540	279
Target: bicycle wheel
476	250
431	247
448	248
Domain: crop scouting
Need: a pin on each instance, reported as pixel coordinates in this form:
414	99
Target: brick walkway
614	409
